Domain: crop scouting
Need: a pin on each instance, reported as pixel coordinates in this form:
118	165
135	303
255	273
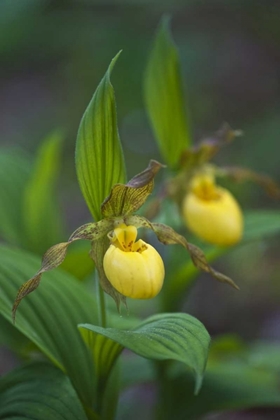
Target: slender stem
100	302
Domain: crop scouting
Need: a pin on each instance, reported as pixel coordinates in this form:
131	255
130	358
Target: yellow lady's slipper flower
212	213
135	269
127	268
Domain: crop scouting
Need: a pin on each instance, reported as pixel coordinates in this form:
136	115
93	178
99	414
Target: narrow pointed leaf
166	336
128	198
164	99
99	157
49	317
41	214
39	392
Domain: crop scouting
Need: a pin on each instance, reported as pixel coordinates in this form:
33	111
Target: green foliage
41	216
162	337
237	377
99	157
233	381
39	391
164	96
49	317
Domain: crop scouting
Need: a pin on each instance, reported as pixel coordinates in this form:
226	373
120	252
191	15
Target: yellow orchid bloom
135	269
212	213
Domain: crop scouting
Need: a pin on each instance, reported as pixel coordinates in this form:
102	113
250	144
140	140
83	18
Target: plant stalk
100	303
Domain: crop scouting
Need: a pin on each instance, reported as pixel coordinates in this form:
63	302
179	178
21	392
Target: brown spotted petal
93	231
126	199
55	255
51	259
242	174
168	236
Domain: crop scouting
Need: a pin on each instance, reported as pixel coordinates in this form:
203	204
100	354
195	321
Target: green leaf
12	338
166	336
104	353
50	316
42	221
99	158
39	392
164	99
14	173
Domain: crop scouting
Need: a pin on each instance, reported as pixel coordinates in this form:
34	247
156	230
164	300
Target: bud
212	213
135	269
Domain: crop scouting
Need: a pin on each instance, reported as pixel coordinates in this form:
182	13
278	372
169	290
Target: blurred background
53	54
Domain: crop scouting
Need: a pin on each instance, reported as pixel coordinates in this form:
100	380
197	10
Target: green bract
163	91
99	157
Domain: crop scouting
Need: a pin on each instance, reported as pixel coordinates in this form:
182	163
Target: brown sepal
55	255
126	199
52	258
168	236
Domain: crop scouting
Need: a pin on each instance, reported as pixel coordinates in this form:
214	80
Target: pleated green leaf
14	173
237	377
104	353
99	158
163	92
39	392
174	336
49	317
41	215
12	338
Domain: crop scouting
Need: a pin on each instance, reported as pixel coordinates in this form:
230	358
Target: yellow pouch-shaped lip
212	213
135	269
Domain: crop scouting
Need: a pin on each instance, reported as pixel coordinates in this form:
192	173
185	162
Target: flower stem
100	303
